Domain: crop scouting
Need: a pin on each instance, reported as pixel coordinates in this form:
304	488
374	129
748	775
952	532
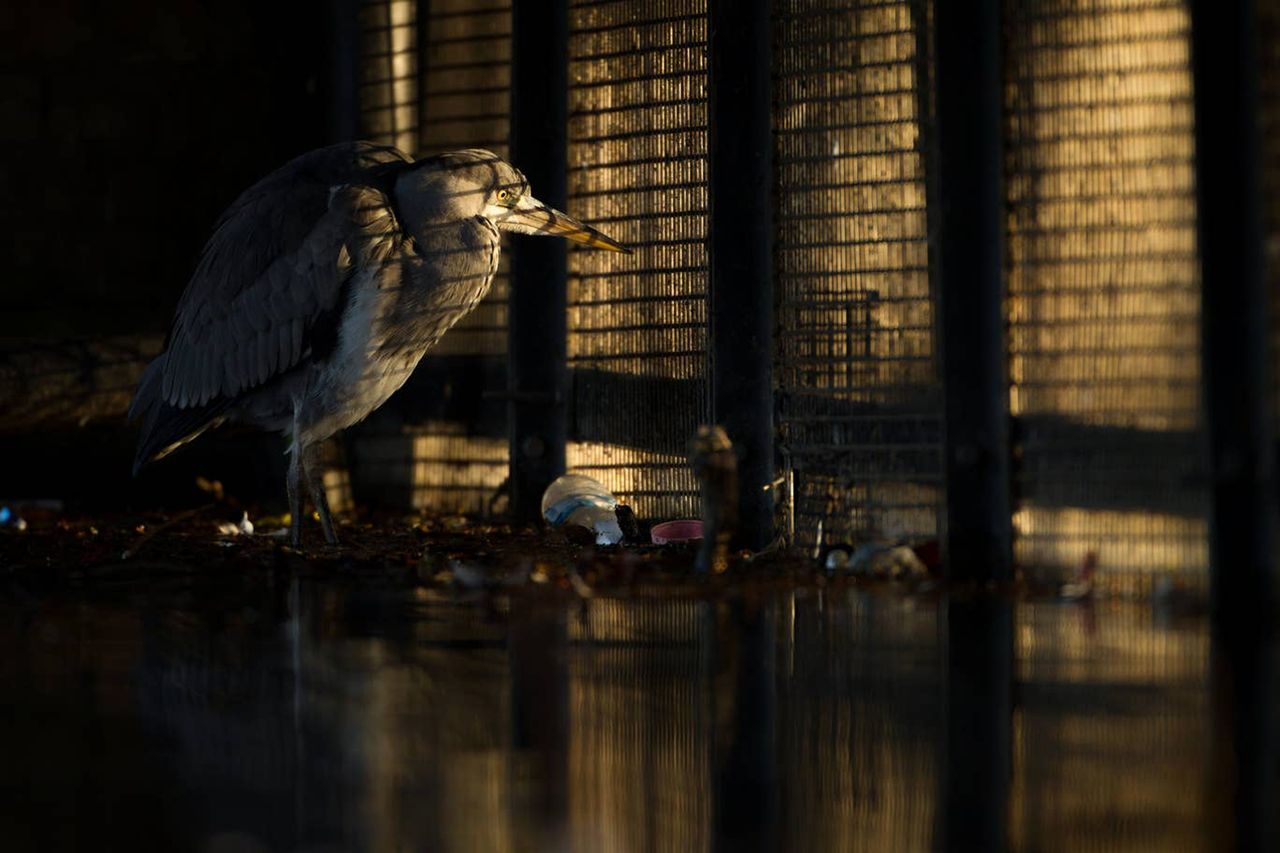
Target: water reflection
279	713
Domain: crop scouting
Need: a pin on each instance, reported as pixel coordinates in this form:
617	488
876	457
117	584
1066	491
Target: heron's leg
314	473
294	488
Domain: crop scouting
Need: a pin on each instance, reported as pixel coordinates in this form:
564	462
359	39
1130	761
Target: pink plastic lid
676	531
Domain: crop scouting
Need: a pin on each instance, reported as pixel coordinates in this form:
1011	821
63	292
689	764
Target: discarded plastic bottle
578	499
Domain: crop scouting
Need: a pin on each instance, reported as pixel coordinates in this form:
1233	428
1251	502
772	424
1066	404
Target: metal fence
1101	267
1103	279
855	363
638	169
436	77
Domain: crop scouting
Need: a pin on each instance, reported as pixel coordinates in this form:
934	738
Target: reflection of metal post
747	795
741	299
1237	397
1241	793
978	726
970	257
538	648
536	342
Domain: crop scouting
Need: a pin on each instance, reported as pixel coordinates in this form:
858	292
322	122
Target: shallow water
269	712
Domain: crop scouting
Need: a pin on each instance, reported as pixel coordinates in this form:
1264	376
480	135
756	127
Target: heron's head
474	182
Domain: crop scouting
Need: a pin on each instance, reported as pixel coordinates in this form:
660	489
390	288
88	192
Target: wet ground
509	692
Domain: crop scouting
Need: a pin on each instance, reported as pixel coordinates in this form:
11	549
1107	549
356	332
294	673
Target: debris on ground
477	560
576	500
684	530
1081	585
886	560
9	518
244	527
17	514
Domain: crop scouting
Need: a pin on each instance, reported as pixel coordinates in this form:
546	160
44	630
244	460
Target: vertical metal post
422	34
538	654
1234	301
536	345
741	298
970	258
344	79
1237	398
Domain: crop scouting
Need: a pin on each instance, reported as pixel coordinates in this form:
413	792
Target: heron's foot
313	473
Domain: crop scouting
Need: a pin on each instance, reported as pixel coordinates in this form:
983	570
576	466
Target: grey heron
322	287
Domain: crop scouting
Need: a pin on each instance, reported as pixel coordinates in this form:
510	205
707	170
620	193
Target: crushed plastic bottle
580	500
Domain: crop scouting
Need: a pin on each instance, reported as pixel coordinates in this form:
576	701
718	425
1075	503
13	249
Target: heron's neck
425	205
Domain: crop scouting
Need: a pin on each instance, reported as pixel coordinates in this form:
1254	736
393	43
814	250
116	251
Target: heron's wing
273	271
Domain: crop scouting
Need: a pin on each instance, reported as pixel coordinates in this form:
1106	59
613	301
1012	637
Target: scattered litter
16	514
837	560
9	518
876	559
1081	586
676	531
581	501
243	528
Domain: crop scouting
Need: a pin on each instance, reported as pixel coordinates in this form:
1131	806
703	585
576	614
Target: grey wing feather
272	267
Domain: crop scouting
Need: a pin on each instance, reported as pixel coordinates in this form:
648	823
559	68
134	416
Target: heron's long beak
531	216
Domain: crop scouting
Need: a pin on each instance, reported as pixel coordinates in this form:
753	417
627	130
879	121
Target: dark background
125	129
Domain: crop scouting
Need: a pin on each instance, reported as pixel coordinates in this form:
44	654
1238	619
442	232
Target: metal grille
1103	286
638	169
466	97
855	372
458	83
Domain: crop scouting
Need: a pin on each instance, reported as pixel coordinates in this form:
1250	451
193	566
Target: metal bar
1234	302
970	257
423	24
741	217
1237	394
344	74
536	343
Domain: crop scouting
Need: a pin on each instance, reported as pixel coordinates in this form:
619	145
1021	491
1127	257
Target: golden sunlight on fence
637	154
1103	303
855	374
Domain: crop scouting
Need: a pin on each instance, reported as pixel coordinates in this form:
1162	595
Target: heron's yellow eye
503	195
